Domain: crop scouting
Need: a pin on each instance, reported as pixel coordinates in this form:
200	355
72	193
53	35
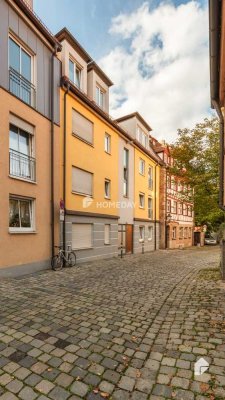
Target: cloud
161	67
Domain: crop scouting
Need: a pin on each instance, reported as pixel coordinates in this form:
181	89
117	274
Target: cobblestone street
117	329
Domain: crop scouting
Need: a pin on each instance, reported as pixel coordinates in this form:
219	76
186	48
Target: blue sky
156	53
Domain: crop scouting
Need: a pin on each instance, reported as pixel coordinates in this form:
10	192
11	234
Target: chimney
29	3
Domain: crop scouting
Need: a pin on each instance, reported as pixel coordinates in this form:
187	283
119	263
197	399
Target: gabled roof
138	116
65	34
98	70
38	23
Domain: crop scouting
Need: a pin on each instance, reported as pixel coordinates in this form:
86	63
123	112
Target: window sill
21	232
23	179
83	248
141	240
107	244
107	198
83	194
149	240
107	152
82	140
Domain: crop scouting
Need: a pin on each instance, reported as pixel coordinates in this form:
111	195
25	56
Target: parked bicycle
64	257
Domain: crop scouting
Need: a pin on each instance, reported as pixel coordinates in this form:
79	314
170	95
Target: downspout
52	155
64	166
155	238
221	158
166	244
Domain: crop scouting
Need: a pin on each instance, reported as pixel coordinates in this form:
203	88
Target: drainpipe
52	155
166	244
221	161
64	166
155	238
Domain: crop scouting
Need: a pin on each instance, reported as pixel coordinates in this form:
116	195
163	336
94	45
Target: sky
155	52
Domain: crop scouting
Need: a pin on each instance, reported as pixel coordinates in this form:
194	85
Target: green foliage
196	155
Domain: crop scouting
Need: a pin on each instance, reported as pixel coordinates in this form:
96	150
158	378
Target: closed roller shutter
81	236
82	127
82	181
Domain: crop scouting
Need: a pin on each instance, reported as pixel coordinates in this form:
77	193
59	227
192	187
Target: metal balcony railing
21	87
21	165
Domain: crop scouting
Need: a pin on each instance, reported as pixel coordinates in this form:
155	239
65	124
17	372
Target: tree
196	155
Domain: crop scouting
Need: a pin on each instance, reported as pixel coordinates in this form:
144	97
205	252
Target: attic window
75	73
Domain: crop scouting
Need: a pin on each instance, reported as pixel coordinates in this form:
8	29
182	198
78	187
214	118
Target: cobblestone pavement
117	329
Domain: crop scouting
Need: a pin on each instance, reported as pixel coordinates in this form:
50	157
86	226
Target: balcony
22	166
21	87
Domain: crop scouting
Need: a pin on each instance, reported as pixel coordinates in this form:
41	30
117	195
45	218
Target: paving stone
106	387
92	380
111	376
64	380
144	385
8	396
59	393
14	386
126	383
27	394
79	388
44	386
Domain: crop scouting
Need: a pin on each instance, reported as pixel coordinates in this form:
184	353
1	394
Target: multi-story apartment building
102	181
29	126
141	222
176	203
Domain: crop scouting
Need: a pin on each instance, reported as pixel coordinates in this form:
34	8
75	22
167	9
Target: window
189	211
141	233
20	73
190	233
150	233
168	181
107	143
99	97
184	209
168	206
141	166
174	233
21	162
21	214
142	137
150	180
75	73
180	208
107	188
150	213
141	200
82	182
185	233
82	127
174	208
125	171
181	233
107	234
82	236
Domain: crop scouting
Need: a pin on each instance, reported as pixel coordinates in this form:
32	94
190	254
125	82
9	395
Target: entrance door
129	238
197	238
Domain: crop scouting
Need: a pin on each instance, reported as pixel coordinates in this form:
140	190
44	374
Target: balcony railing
21	165
21	87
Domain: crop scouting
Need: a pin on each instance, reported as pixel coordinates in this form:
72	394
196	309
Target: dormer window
75	73
142	137
99	97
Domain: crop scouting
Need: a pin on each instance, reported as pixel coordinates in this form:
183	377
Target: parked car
210	240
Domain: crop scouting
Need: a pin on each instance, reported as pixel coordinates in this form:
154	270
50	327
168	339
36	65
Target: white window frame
76	66
150	233
141	166
25	51
141	196
181	230
141	233
32	215
150	177
100	94
108	182
107	242
107	143
150	209
125	172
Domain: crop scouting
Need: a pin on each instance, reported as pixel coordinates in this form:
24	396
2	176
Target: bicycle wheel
57	263
71	262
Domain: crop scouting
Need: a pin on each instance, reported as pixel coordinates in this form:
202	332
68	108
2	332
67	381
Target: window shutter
82	127
107	234
82	181
81	236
